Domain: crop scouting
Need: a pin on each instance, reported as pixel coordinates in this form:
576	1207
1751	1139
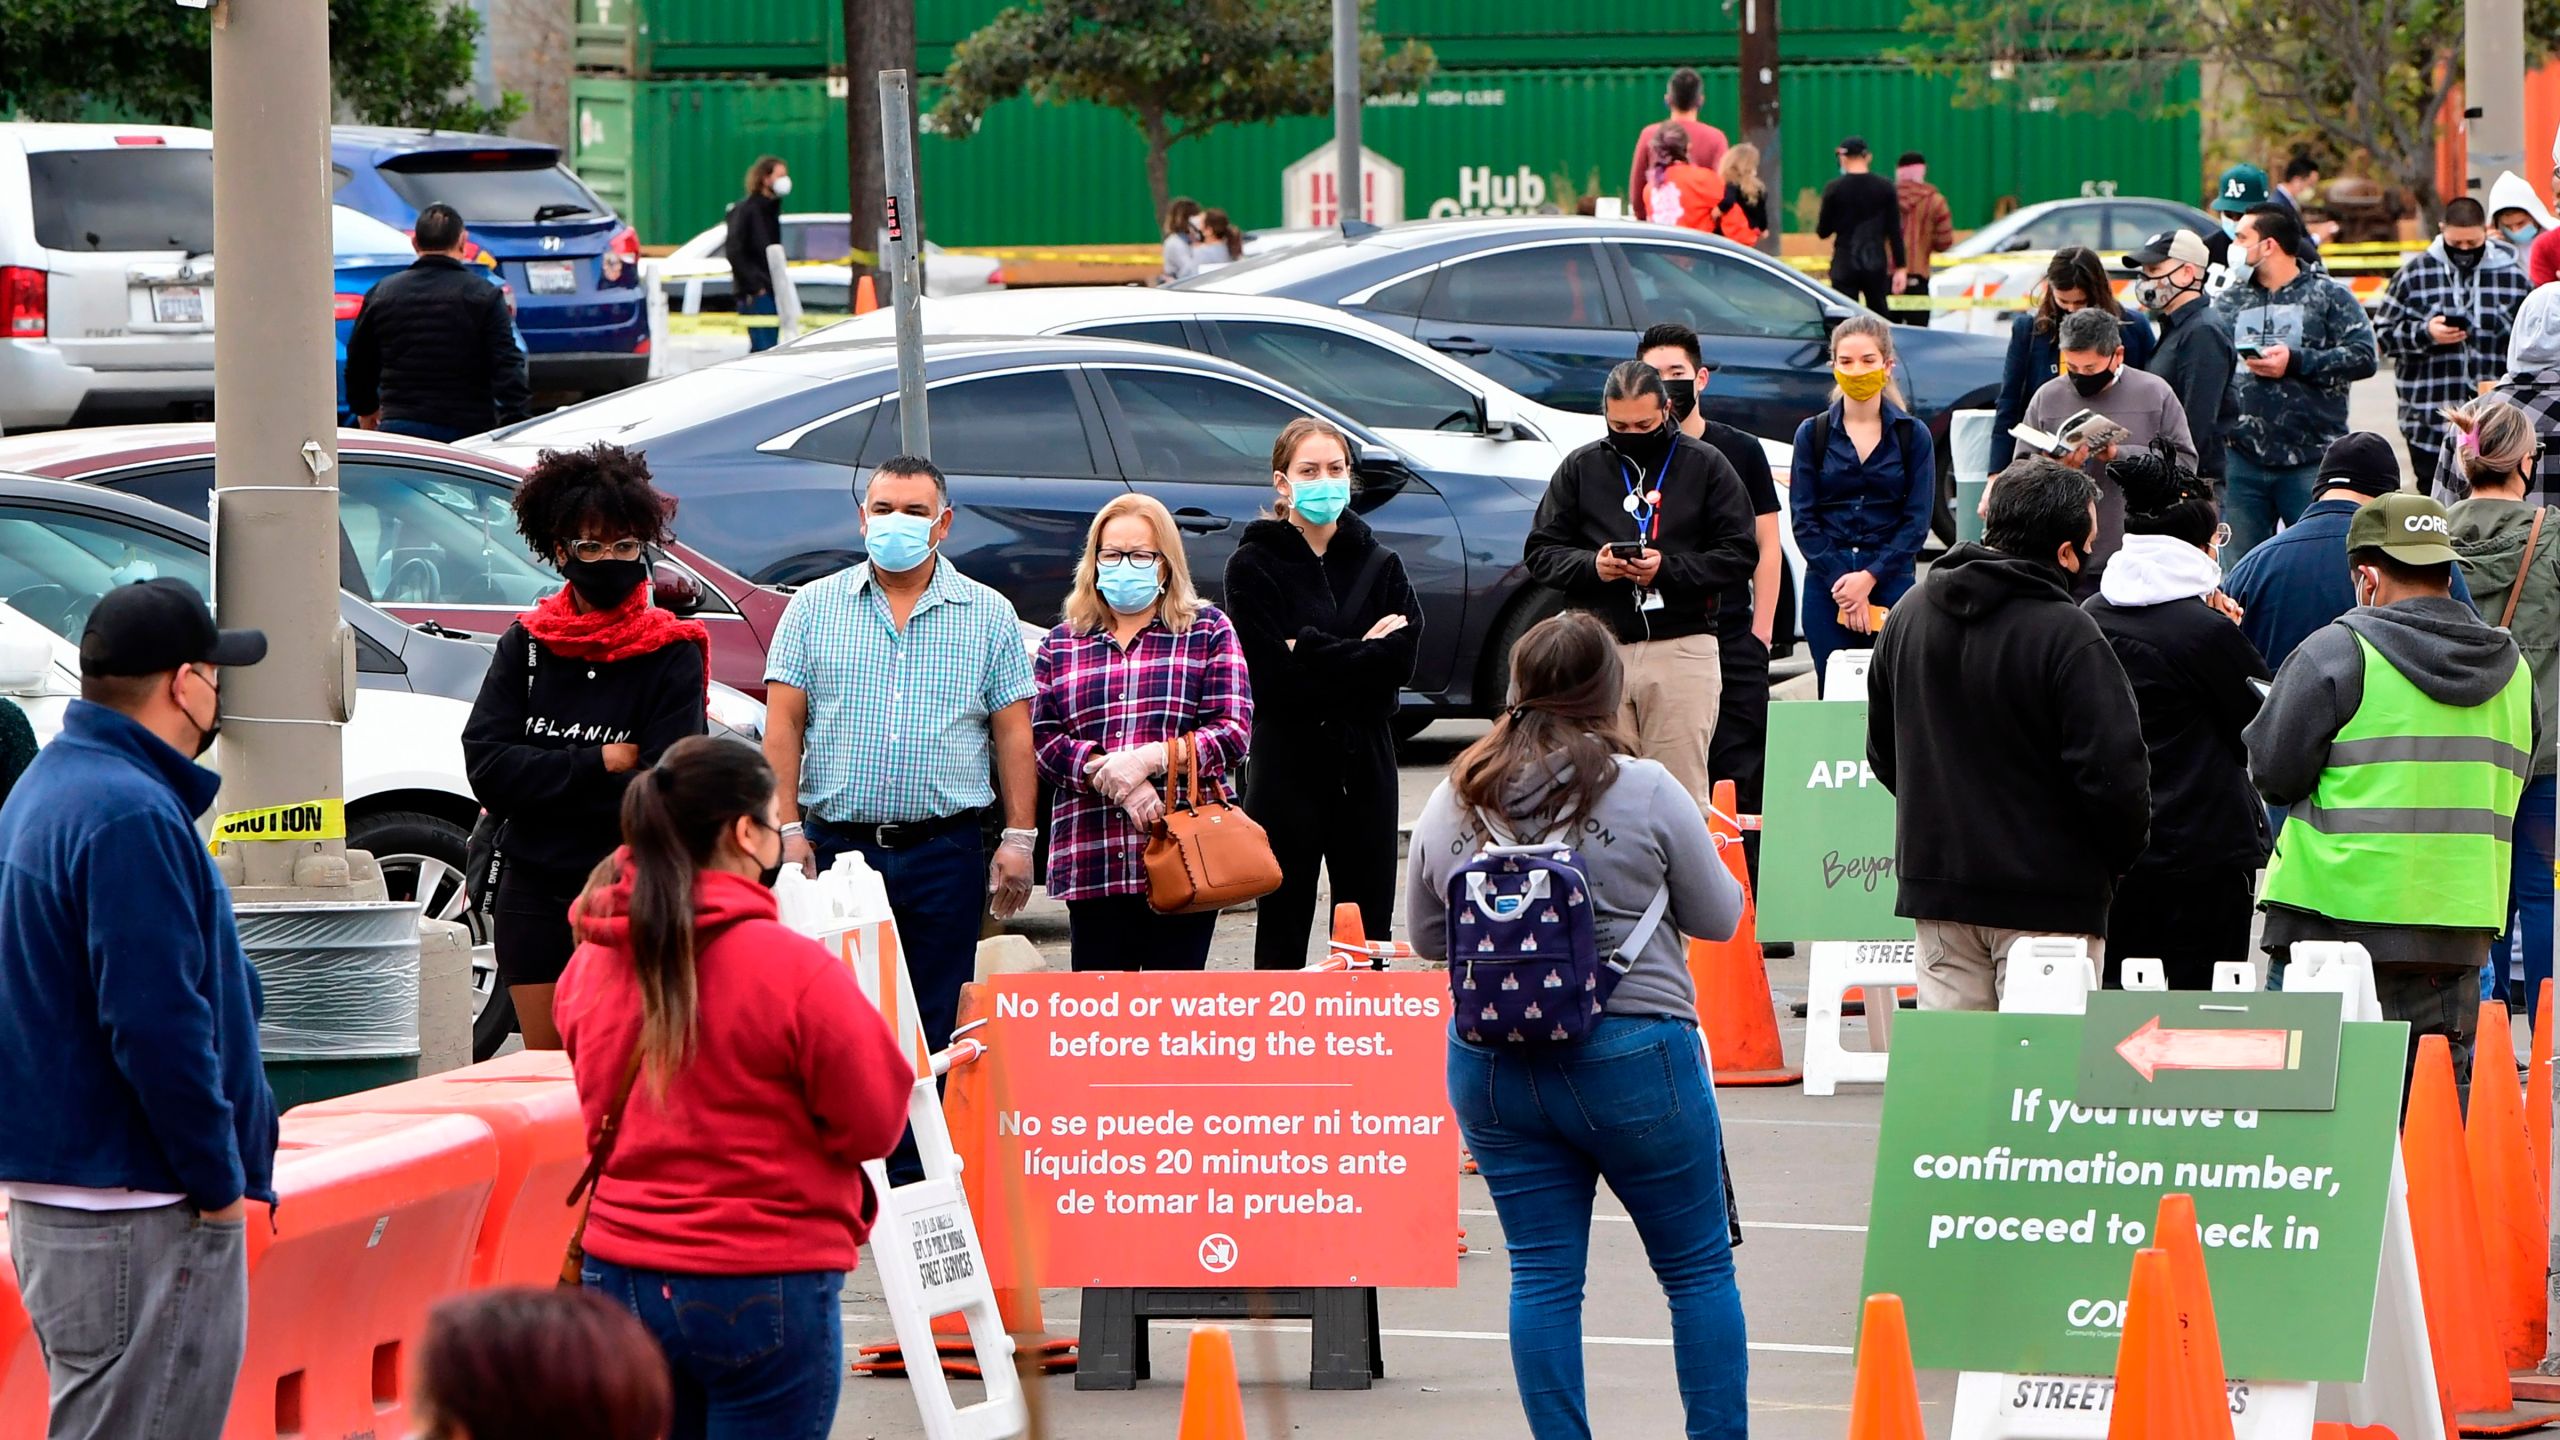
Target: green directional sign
2006	1212
2264	1050
1826	832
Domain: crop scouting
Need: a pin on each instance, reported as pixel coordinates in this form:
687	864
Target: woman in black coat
1329	625
2188	899
755	226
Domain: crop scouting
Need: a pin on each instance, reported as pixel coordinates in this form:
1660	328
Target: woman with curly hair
587	689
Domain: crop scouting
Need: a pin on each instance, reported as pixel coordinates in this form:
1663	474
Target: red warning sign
1226	1129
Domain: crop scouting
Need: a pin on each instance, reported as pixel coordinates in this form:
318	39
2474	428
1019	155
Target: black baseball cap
1853	146
155	626
2361	461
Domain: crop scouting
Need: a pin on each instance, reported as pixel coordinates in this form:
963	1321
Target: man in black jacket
1649	529
434	352
1862	218
2006	730
2194	351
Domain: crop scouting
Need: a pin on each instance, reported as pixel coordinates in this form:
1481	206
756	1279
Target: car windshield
428	539
55	564
353	232
505	187
132	197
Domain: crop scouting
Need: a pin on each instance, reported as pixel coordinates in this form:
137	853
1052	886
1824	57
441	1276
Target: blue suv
573	265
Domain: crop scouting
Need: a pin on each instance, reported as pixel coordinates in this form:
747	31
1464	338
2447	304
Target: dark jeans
2259	499
765	336
1120	932
424	430
1326	800
143	1316
2188	920
2528	897
1739	749
1823	632
753	1357
937	889
1631	1105
1872	289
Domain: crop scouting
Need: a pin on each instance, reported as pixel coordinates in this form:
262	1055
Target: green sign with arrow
2261	1050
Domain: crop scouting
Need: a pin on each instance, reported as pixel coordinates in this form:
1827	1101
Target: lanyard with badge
1646	509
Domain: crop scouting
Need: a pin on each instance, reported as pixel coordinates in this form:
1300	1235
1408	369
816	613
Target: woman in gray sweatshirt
1631	1103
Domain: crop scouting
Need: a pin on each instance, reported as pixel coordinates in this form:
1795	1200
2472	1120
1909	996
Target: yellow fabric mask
1862	388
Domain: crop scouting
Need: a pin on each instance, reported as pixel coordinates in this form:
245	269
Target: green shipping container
670	155
647	38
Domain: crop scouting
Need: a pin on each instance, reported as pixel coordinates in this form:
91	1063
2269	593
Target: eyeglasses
592	550
1143	559
2222	533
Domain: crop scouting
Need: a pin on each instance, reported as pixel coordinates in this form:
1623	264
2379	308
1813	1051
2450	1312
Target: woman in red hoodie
734	1079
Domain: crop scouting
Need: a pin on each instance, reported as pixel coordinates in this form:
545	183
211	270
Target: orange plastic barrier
2511	1234
24	1402
1734	1008
2537	1104
2452	1275
1884	1399
377	1222
530	1103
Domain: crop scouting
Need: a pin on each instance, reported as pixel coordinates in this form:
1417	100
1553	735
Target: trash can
1969	443
341	983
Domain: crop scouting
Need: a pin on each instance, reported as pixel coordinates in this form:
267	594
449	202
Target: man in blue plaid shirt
898	702
2445	323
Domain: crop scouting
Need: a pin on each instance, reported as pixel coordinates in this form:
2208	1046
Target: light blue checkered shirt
898	723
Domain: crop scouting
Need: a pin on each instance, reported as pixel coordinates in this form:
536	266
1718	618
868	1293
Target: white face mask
781	186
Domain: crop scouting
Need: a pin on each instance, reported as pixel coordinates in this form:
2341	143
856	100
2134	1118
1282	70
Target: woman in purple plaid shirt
1139	659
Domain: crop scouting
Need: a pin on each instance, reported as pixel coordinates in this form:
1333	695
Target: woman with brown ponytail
733	1079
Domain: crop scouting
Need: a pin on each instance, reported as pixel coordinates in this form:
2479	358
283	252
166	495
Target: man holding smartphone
2445	323
1649	530
2303	340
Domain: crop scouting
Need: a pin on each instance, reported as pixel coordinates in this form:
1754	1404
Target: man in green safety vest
2399	737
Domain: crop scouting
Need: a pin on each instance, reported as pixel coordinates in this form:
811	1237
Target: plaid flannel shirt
1094	698
2432	376
2538	395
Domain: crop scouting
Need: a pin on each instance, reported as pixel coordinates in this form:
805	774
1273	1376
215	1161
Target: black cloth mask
2465	258
1644	449
1684	398
2089	385
603	584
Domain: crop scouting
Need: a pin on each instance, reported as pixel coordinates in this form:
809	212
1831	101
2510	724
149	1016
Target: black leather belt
899	834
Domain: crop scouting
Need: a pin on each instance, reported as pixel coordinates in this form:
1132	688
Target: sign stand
1111	1339
924	1241
2399	1386
1877	967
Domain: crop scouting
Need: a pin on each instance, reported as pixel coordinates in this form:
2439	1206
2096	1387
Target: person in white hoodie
2517	213
2188	898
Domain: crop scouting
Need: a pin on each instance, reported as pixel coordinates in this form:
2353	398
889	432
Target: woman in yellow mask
1863	487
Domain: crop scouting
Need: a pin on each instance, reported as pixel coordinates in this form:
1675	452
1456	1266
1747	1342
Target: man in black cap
2194	351
128	1008
1862	218
2298	582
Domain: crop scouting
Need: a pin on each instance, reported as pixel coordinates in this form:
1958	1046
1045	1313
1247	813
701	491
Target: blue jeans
753	1357
1631	1105
761	337
1823	632
2258	498
2529	898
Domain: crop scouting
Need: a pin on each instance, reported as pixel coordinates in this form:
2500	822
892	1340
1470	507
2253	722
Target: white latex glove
1009	875
1124	770
1143	805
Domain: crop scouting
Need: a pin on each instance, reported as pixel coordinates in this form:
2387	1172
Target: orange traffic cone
2156	1386
1884	1403
2444	1220
866	296
1212	1401
2512	1240
2200	1337
2537	1102
1734	1007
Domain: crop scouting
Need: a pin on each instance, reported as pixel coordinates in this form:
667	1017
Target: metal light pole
2492	92
905	255
1347	203
1760	106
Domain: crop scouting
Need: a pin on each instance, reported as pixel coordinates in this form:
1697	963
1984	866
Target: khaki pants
1964	967
1673	689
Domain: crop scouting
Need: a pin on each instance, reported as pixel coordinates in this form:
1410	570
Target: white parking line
1642	1342
1747	1224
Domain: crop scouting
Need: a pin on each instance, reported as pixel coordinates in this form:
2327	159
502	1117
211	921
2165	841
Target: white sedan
818	247
2004	261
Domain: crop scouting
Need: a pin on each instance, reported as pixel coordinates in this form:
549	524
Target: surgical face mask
1128	588
2230	227
1319	502
1684	398
781	186
211	725
604	584
900	542
2242	269
2523	235
1861	388
2089	385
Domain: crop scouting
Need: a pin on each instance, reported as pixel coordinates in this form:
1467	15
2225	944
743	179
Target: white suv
106	273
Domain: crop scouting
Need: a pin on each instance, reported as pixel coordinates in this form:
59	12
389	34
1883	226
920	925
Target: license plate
177	305
552	277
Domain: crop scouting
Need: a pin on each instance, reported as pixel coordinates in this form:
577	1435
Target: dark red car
428	531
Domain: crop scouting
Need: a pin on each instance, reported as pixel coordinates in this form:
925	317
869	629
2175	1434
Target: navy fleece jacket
128	1011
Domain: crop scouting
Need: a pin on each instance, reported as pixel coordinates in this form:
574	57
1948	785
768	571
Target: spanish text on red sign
1230	1129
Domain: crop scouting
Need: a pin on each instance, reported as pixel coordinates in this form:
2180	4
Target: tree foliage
1177	68
394	62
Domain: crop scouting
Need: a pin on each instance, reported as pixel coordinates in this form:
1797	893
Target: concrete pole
276	452
1760	106
2493	92
905	257
1348	197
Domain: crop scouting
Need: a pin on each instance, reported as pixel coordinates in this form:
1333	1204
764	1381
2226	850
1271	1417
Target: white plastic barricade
2048	975
1845	677
925	1242
1837	967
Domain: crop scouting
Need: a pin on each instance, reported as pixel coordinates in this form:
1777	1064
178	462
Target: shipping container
645	38
1488	142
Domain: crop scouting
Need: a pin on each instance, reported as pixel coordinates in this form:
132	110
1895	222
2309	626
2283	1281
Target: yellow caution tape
724	322
302	820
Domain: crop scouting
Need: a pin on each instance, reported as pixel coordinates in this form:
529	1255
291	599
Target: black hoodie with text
2003	723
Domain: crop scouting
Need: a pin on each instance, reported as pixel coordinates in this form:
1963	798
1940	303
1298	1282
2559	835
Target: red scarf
634	627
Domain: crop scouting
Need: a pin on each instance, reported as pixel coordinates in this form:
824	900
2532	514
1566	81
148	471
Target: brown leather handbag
1204	853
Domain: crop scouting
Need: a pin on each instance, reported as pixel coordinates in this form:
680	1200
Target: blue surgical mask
2230	227
1319	502
899	543
2523	235
1128	588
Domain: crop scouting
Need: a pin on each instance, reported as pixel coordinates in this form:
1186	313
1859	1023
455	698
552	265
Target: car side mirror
1382	471
674	591
1832	315
2017	243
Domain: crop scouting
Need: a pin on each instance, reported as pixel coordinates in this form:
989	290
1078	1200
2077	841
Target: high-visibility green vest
2414	818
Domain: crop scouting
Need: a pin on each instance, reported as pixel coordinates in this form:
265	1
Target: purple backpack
1524	952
